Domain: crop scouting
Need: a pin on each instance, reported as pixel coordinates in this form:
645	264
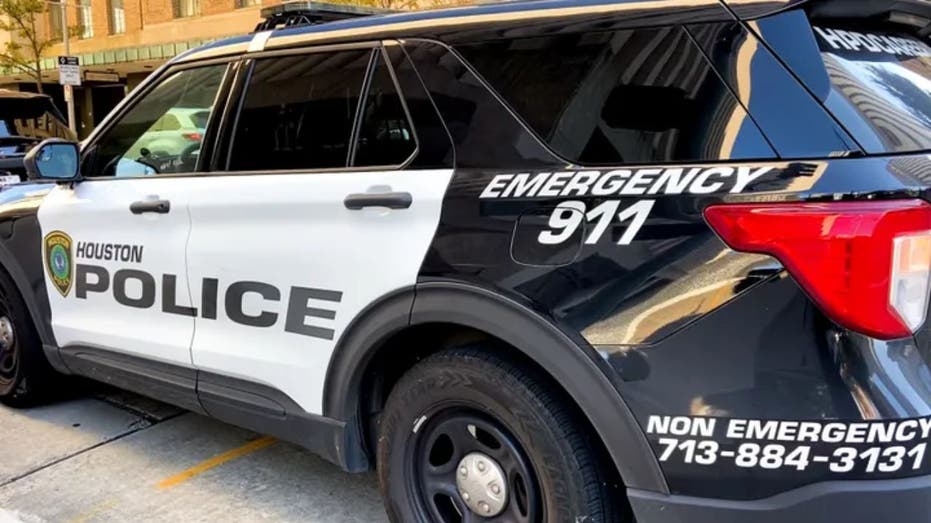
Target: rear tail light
194	137
866	264
908	293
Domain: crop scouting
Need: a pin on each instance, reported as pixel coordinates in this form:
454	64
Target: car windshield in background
200	119
18	135
885	77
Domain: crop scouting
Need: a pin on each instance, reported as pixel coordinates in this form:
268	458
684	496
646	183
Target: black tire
512	416
25	374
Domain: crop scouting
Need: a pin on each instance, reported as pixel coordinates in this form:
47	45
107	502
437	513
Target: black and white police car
555	261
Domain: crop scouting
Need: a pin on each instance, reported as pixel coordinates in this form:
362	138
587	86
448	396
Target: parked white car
172	134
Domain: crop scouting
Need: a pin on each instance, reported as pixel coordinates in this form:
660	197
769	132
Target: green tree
28	43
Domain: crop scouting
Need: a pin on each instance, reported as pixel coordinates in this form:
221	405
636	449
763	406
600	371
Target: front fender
21	251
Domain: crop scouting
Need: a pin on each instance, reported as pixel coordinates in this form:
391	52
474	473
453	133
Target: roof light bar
292	14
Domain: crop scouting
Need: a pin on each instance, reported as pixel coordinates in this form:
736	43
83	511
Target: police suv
555	261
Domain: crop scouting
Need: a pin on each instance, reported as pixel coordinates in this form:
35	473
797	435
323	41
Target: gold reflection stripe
745	56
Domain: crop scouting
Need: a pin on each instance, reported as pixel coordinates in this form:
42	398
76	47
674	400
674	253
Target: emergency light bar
292	14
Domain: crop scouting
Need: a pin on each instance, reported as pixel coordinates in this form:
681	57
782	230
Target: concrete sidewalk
117	457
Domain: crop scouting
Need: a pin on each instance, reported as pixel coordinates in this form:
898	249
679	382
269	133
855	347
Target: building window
86	19
247	3
117	17
54	18
185	8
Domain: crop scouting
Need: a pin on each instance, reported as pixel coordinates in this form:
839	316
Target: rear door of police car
320	209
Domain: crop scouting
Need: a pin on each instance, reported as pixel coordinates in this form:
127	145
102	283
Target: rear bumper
906	500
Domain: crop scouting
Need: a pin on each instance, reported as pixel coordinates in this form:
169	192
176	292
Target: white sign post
69	68
69	75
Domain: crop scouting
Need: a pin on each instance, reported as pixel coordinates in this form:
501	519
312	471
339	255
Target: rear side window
884	76
298	112
310	112
633	96
385	135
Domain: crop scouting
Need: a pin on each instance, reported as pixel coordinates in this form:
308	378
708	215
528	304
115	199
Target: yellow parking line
215	461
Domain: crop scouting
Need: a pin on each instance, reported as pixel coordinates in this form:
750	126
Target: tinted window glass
633	96
478	124
434	147
885	78
147	139
385	135
298	112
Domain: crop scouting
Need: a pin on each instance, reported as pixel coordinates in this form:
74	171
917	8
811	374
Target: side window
149	138
622	97
385	134
298	112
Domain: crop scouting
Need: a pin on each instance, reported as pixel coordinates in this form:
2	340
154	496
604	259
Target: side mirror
54	159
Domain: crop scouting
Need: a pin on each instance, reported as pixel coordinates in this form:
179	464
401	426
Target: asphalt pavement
112	456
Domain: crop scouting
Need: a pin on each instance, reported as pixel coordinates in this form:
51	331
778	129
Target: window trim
218	140
377	47
360	108
89	151
357	127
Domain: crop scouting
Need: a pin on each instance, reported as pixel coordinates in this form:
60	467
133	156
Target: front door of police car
114	244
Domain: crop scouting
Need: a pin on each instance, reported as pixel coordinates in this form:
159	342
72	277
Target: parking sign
69	70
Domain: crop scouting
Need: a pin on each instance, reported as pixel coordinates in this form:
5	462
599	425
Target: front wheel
468	436
25	374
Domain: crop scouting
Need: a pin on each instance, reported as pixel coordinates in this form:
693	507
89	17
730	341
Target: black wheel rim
438	446
9	352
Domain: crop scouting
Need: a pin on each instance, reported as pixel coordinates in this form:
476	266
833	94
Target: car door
317	219
115	242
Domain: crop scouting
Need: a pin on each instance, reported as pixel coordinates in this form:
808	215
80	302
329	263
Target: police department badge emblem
58	260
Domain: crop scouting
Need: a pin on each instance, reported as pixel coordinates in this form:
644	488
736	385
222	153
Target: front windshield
6	149
885	78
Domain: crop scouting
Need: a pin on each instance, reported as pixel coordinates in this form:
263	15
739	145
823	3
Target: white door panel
129	287
284	267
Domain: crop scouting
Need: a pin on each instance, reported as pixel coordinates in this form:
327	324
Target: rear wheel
468	436
24	371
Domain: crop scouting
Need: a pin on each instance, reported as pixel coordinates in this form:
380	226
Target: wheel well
406	348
